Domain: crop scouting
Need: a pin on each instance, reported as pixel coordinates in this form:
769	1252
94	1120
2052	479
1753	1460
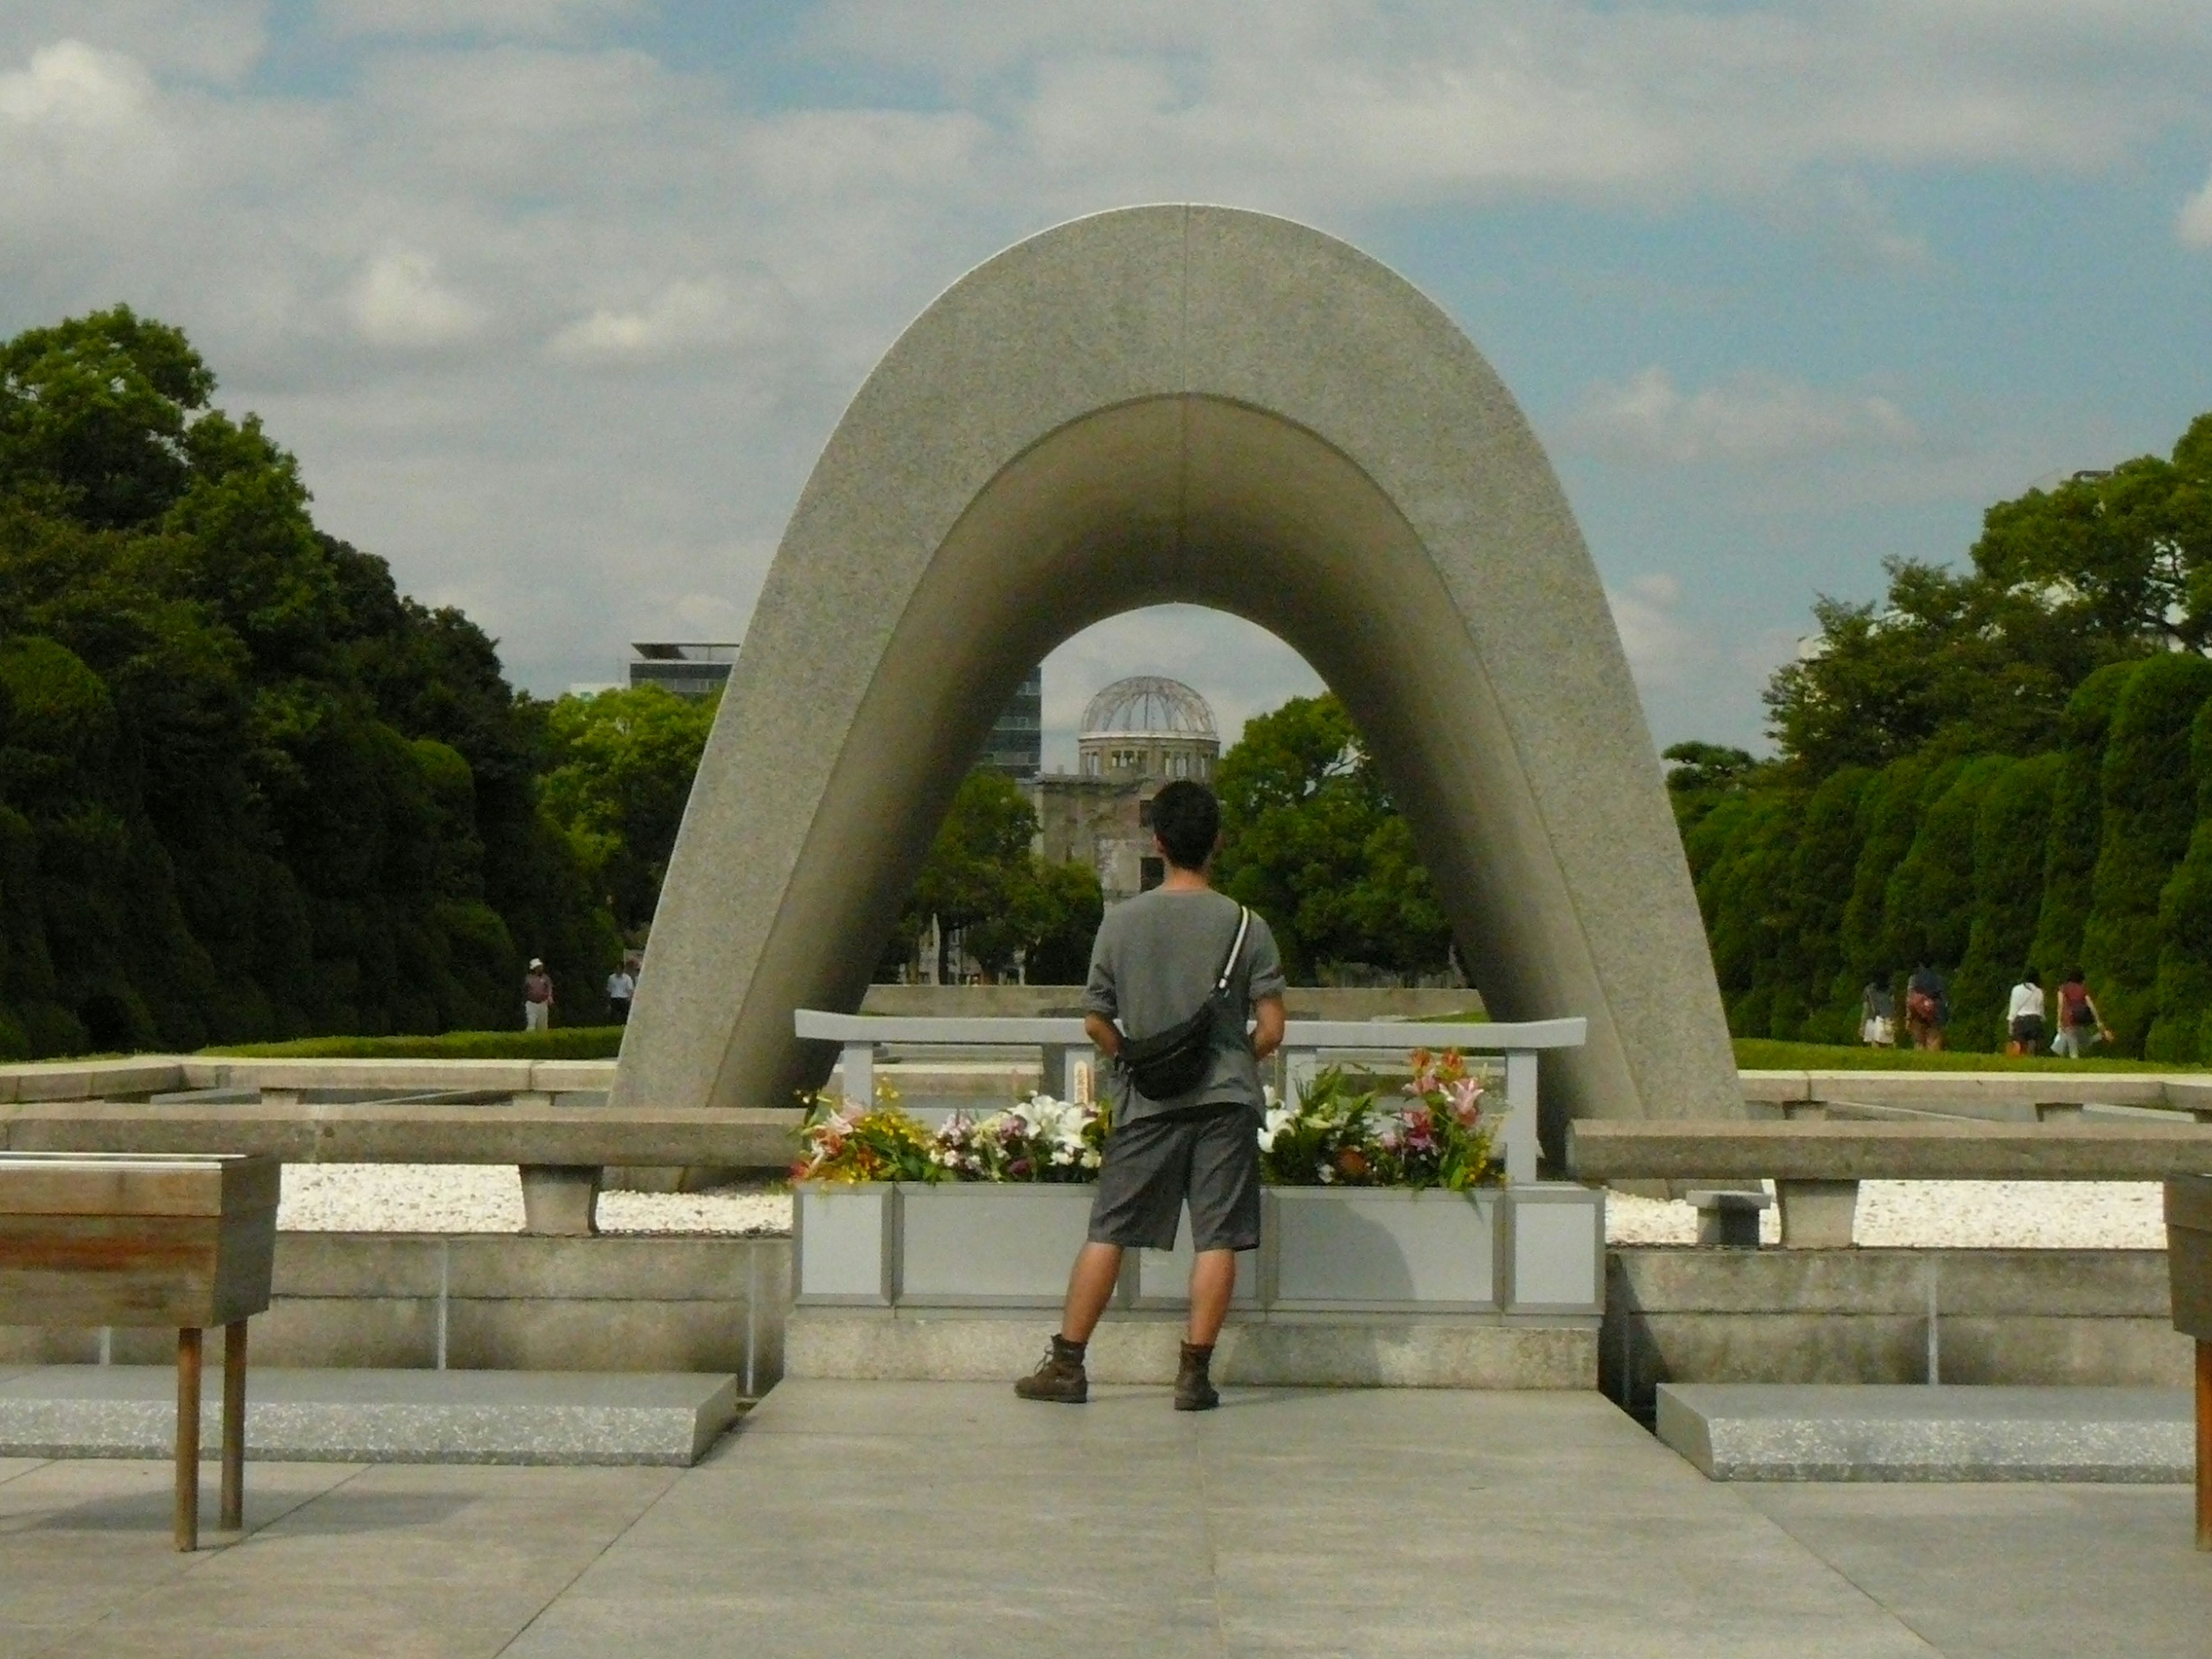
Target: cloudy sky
557	300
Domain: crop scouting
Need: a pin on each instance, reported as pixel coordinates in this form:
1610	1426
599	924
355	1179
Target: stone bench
1816	1166
560	1150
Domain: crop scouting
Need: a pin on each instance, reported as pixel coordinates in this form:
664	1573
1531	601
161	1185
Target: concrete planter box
1533	1250
980	1244
1556	1234
1380	1248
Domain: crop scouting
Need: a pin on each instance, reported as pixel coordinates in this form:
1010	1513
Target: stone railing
1306	1042
560	1149
1816	1166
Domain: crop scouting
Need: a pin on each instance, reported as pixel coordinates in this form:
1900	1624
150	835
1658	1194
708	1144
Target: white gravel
440	1198
470	1198
2077	1215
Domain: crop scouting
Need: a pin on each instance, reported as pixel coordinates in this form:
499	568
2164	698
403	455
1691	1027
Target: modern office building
690	668
1016	746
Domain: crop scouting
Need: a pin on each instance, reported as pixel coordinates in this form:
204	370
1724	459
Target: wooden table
2189	1259
105	1239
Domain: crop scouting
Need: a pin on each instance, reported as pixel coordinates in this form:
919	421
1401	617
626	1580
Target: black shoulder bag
1174	1062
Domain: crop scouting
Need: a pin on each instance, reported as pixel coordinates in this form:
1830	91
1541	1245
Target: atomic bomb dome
1147	730
1145	704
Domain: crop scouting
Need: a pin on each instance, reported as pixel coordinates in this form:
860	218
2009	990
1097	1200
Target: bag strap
1236	950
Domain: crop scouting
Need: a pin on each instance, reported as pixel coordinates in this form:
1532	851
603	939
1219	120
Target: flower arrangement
1039	1139
852	1140
1431	1133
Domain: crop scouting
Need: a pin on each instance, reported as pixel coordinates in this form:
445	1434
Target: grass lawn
1765	1054
576	1042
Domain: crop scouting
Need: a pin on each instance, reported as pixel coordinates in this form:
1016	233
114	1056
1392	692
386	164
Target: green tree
246	790
1312	841
983	880
621	768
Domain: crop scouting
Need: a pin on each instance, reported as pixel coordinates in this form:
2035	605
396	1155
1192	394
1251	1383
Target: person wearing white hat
537	997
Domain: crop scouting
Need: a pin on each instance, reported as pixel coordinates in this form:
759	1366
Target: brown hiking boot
1195	1389
1059	1376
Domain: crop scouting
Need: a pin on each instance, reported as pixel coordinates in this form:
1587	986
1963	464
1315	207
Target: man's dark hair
1187	820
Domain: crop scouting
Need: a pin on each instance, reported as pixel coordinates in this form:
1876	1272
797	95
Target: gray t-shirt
1154	963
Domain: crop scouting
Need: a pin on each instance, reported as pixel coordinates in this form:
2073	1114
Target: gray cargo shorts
1208	1154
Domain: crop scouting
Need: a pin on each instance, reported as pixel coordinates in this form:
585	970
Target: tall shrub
1929	901
2181	1029
1888	818
2070	863
2149	812
1821	867
2011	832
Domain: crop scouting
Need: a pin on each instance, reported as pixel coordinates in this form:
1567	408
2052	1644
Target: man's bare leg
1213	1282
1089	1288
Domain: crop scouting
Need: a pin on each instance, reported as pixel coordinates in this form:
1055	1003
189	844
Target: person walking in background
2080	1024
621	986
1175	974
537	997
1877	1013
1927	1007
2024	1015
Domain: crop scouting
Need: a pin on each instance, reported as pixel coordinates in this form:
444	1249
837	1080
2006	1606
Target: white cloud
209	40
1334	100
70	84
1663	651
683	317
1746	418
400	301
2194	224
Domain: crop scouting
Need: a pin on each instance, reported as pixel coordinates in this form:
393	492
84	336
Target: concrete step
1882	1431
375	1416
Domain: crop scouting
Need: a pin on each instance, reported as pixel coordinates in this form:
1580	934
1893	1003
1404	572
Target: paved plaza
950	1519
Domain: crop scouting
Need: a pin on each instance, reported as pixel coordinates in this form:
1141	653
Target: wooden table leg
233	1426
2203	1445
188	1440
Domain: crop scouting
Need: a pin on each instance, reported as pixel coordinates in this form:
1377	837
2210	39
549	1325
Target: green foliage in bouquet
851	1140
1431	1133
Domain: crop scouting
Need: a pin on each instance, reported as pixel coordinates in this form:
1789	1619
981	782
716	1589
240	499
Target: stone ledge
1754	1432
1338	1351
567	1417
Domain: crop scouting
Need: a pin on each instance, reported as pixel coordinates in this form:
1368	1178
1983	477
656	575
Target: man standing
537	997
1156	964
621	986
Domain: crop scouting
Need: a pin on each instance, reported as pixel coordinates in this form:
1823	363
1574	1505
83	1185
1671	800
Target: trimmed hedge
576	1042
1766	1054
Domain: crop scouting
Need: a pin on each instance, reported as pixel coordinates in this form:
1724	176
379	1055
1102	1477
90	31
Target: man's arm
1104	1033
1267	1026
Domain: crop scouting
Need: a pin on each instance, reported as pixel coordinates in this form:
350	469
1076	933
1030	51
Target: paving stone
1878	1432
377	1416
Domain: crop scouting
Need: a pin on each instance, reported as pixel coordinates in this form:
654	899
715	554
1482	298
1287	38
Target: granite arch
1220	407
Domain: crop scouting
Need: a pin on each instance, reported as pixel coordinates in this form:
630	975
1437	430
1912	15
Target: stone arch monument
1195	404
